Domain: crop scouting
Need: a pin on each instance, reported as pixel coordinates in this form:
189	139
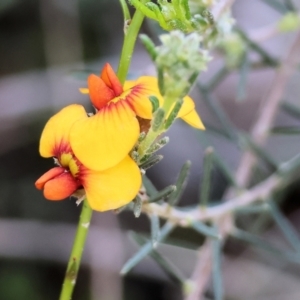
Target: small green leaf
285	130
285	226
261	243
151	162
150	188
155	103
137	206
180	183
206	178
244	71
291	109
149	45
163	194
174	113
155	229
266	157
146	249
217	270
205	230
166	265
158	119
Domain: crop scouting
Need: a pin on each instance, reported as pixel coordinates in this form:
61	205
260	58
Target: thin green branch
266	57
146	249
217	269
285	226
171	270
126	12
128	45
76	253
206	178
217	110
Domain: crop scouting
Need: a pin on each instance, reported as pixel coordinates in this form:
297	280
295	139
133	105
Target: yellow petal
193	119
138	93
103	140
55	135
187	106
114	187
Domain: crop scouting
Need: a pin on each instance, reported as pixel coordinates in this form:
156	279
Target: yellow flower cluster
92	152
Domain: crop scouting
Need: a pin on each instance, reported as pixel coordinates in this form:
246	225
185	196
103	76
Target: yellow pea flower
105	189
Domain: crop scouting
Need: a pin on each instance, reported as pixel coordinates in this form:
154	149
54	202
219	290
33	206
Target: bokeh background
47	48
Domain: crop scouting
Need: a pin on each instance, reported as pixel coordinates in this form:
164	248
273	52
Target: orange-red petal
52	173
60	187
110	78
114	187
57	184
55	136
103	140
100	93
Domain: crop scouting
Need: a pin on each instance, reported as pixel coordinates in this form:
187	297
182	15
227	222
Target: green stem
125	10
86	213
75	257
128	45
148	141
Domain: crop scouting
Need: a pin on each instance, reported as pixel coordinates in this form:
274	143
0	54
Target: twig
183	218
268	112
259	135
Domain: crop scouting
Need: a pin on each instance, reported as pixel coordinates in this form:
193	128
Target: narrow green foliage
285	226
266	157
155	103
276	5
290	5
225	170
163	194
218	111
291	109
257	241
142	137
146	249
180	183
150	188
134	155
266	57
158	145
217	78
161	85
155	229
153	160
217	270
144	159
253	209
158	119
206	177
174	112
149	45
244	71
166	265
208	15
205	230
137	206
289	167
285	130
